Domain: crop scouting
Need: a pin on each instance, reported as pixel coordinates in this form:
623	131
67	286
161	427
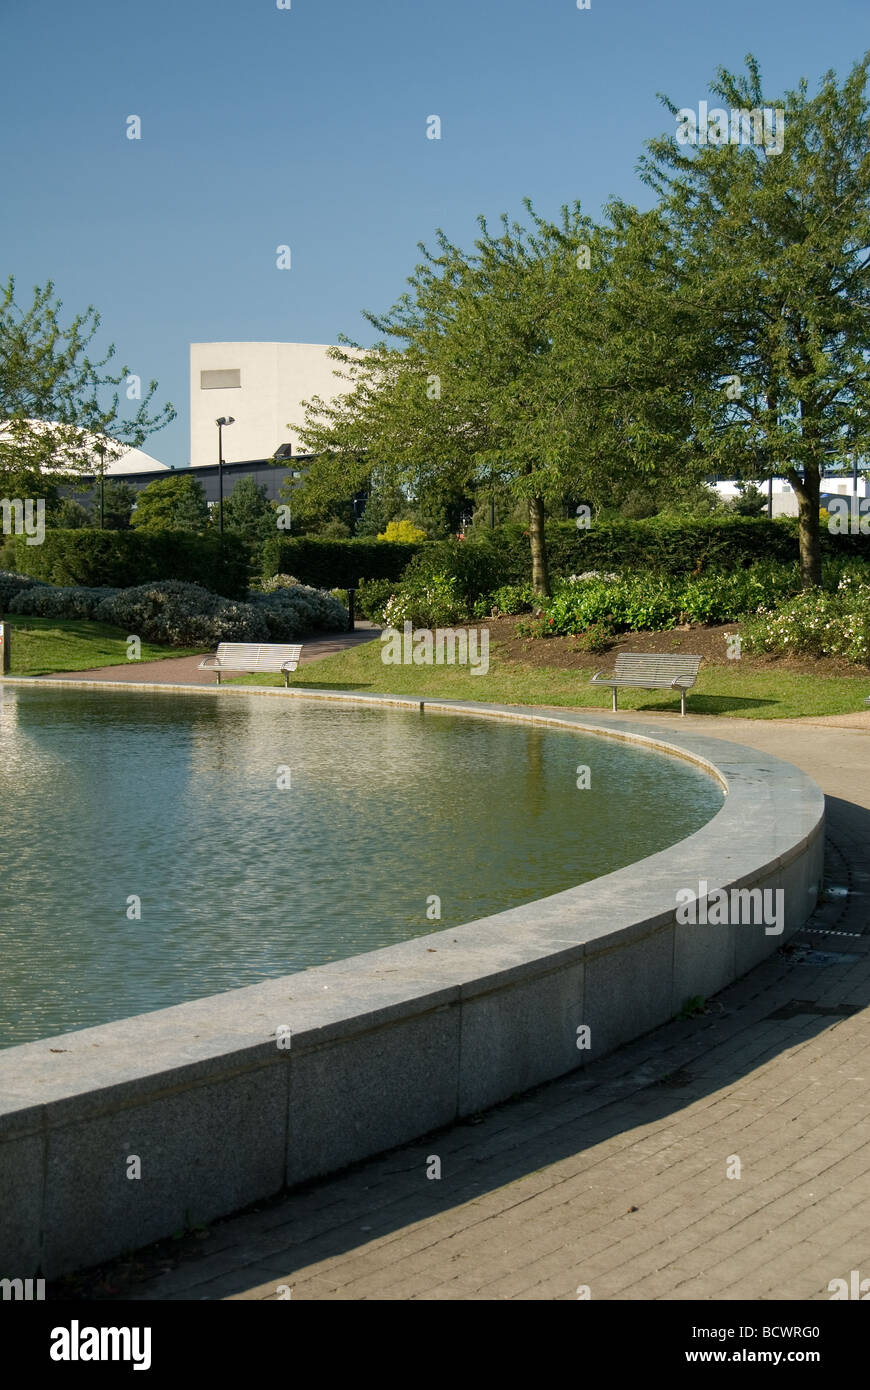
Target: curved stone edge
389	1045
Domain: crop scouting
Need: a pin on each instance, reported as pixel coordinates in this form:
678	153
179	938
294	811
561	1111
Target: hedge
124	559
337	564
490	559
668	544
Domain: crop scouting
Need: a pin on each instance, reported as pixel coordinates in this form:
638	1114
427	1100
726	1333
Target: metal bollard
350	612
4	648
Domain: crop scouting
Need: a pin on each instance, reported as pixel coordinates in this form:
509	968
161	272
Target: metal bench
252	656
652	671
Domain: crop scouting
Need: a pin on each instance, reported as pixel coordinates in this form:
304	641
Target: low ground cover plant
604	600
651	601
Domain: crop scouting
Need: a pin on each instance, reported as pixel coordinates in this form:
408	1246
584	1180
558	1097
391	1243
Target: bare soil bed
563	653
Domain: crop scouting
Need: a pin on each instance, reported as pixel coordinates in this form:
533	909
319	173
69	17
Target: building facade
262	386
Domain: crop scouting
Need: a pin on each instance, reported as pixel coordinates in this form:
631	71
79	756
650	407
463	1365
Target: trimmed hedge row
489	559
337	564
124	559
679	545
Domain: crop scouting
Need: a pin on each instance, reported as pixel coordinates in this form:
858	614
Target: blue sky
307	127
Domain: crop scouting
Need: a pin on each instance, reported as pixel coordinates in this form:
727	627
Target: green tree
119	500
456	401
69	515
523	370
174	503
750	500
58	406
249	512
770	242
335	530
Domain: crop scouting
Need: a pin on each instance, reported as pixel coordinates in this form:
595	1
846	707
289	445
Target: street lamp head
225	420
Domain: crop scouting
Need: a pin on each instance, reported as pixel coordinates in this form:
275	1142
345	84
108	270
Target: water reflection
108	796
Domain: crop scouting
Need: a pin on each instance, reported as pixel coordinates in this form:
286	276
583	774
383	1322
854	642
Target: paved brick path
184	670
616	1177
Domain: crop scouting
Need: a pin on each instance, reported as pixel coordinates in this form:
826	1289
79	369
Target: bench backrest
257	653
655	666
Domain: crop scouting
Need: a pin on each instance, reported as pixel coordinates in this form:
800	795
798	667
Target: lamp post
224	420
295	473
101	450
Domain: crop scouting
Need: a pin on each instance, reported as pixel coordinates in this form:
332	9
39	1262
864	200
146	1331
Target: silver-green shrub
61	601
291	610
12	584
180	614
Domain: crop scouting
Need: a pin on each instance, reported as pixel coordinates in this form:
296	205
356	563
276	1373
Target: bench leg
286	680
218	675
682	702
613	699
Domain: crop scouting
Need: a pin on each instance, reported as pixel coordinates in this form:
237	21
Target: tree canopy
59	409
174	503
724	330
772	250
248	511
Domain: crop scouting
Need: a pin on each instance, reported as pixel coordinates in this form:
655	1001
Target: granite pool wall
229	1099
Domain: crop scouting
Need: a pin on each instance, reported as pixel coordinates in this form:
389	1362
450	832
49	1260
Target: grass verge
721	689
40	646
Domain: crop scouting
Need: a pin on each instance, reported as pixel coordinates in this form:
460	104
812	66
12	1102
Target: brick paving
184	670
616	1177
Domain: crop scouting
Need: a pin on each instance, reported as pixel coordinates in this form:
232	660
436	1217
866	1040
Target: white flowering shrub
12	584
279	581
592	574
816	623
426	601
292	609
59	601
180	615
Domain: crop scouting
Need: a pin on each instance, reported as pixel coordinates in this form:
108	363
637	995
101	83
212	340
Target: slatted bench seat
652	671
253	656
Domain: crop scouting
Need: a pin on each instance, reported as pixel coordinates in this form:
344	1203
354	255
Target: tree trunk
538	543
807	490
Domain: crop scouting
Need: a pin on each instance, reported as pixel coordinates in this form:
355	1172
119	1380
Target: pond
158	848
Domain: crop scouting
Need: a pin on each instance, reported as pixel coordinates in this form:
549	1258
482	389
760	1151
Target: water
112	796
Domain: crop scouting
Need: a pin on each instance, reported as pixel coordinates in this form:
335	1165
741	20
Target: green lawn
42	645
727	690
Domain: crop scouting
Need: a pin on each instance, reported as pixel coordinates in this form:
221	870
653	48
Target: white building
118	458
262	386
784	501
